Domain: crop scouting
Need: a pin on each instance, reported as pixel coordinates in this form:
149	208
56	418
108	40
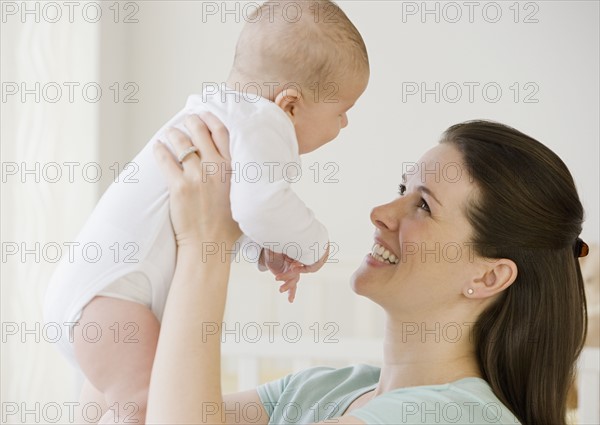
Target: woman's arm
185	387
186	376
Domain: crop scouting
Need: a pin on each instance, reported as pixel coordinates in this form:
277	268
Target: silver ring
183	155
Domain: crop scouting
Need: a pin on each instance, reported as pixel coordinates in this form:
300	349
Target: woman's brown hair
527	210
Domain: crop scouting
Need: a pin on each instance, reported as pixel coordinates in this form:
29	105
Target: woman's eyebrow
424	189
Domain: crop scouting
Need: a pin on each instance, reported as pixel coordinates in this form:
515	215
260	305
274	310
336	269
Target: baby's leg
90	396
115	344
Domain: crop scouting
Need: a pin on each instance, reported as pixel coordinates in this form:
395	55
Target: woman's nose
385	216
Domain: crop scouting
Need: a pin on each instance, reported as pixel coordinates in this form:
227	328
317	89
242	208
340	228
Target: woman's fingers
181	142
207	131
201	137
219	133
166	162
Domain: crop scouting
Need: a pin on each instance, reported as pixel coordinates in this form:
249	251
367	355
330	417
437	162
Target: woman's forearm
186	377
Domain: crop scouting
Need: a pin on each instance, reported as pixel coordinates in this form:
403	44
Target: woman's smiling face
426	235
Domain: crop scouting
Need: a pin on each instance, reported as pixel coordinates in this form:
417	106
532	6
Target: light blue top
322	393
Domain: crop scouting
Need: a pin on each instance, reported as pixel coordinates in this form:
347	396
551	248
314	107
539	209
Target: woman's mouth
382	255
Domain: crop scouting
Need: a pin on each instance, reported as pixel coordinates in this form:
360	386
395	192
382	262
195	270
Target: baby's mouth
382	255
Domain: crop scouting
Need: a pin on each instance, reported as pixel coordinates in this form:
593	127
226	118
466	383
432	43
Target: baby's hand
316	266
285	269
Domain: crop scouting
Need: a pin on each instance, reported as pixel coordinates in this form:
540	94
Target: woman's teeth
383	255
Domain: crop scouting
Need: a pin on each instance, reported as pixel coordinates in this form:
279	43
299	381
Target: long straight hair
527	210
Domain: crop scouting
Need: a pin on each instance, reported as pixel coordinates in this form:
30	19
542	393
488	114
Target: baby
296	76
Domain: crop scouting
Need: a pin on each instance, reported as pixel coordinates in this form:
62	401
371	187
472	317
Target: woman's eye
401	189
422	203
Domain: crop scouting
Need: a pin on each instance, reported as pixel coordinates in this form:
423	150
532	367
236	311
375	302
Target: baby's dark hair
303	42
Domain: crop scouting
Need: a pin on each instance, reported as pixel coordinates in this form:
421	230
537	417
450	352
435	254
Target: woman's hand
199	188
186	374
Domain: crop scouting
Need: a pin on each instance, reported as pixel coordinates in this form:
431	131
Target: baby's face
321	115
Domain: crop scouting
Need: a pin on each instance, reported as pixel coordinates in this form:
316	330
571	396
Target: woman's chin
370	277
360	279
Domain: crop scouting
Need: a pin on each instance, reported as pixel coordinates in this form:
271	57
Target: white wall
37	138
173	52
170	52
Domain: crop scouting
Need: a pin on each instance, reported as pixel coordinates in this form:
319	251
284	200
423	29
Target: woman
489	248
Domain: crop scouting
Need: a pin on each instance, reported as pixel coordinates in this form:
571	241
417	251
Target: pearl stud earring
470	291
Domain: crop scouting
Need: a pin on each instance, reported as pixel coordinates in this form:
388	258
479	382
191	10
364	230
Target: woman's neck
426	352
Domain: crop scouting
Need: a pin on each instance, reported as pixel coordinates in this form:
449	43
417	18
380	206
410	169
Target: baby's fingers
292	294
284	277
291	270
296	266
290	286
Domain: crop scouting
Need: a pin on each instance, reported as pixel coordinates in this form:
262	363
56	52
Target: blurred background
85	85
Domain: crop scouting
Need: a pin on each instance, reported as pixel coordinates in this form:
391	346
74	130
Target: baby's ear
288	100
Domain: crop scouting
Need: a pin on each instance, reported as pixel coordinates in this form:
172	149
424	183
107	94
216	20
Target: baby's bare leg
90	396
115	344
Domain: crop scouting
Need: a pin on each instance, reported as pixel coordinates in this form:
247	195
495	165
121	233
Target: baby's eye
401	189
423	205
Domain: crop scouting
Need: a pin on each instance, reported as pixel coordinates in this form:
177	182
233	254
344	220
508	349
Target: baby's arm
265	206
288	270
280	264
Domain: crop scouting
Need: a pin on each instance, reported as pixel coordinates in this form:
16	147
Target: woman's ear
288	100
495	278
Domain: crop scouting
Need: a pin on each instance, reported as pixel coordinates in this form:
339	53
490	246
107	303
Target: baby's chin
305	147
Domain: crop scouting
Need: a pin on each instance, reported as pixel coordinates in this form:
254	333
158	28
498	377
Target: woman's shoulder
321	393
316	393
358	373
465	401
323	381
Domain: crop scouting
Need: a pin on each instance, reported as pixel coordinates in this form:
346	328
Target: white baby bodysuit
130	231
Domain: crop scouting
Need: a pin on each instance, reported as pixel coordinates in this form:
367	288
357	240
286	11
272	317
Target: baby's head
312	57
